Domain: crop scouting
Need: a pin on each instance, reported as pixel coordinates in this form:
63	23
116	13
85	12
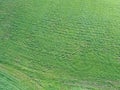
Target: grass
59	45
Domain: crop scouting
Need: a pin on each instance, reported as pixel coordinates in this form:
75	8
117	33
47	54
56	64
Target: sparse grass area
59	45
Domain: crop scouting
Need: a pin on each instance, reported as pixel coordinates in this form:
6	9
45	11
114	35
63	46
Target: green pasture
59	44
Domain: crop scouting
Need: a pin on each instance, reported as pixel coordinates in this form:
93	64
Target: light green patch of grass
59	45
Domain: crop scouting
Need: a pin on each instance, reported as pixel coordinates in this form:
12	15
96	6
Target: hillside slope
59	45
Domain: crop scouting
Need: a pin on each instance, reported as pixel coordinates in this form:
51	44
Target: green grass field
59	44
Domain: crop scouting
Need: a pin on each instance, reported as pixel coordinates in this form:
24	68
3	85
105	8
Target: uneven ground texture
59	44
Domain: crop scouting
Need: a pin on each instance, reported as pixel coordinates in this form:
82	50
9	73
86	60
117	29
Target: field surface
59	44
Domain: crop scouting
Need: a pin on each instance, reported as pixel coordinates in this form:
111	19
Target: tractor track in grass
21	77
